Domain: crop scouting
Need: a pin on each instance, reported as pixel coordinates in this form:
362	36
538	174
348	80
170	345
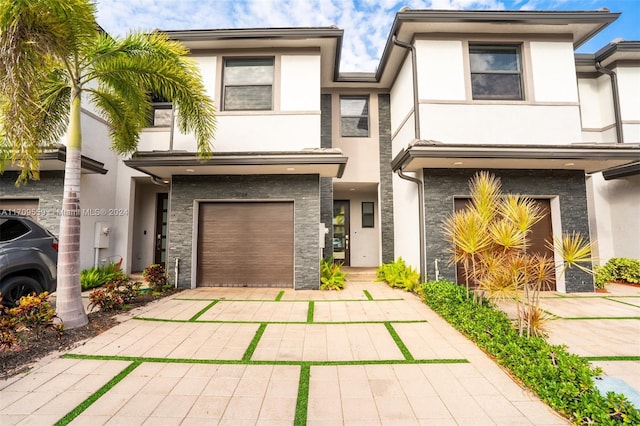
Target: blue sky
366	23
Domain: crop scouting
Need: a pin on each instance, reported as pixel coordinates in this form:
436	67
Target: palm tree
54	56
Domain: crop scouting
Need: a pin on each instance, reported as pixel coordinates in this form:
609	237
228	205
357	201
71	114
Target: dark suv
28	258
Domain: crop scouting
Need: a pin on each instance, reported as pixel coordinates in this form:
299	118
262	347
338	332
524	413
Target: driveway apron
367	355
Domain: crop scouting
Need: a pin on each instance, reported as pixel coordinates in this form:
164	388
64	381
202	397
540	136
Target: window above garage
248	84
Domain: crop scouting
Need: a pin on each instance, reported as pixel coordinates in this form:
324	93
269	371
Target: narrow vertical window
496	72
354	116
367	214
248	84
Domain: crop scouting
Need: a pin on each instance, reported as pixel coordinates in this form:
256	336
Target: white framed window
496	72
247	84
354	116
161	114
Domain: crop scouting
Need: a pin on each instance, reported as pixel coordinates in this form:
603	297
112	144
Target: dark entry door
341	250
162	215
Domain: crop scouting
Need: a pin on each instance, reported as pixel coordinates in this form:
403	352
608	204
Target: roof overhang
164	165
590	158
576	26
327	39
55	159
611	54
627	170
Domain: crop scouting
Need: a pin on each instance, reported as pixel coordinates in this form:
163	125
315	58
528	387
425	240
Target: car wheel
16	287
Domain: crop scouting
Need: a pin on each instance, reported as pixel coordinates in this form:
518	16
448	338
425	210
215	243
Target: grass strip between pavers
202	311
97	394
279	296
310	312
598	318
267	362
254	342
302	402
277	322
367	294
396	338
623	302
288	300
612	358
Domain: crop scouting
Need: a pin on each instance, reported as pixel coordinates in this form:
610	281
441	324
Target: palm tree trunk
69	307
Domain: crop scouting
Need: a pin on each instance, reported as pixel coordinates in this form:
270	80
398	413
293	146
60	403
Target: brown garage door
541	232
245	244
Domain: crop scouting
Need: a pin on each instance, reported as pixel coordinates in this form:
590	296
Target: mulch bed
21	359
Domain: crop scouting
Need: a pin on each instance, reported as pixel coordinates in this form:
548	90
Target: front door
341	232
162	215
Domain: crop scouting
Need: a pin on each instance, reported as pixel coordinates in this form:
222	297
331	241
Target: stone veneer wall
441	185
303	190
386	177
326	183
48	190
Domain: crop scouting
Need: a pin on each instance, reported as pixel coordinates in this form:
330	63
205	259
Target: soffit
588	158
54	160
323	162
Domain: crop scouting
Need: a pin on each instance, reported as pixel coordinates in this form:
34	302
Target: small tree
54	56
490	238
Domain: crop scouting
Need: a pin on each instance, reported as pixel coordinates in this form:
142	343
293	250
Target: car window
11	229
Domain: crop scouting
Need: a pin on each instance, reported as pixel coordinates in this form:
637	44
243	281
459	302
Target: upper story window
247	84
161	115
496	72
354	116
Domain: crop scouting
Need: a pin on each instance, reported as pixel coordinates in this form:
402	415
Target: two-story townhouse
364	167
250	215
609	89
491	91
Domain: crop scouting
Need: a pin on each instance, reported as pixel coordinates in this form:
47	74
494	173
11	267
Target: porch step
360	274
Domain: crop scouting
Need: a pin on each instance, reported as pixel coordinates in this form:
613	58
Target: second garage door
247	244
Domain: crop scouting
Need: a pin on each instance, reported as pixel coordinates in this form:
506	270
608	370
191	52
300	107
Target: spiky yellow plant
467	231
523	212
574	250
506	235
485	190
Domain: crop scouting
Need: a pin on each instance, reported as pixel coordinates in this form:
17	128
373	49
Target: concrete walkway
367	355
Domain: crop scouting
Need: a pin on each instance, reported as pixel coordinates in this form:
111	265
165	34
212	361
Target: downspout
423	271
414	70
420	183
616	99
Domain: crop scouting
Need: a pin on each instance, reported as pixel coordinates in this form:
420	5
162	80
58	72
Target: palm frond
156	65
37	40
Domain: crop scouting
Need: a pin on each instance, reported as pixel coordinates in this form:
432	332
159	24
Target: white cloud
366	23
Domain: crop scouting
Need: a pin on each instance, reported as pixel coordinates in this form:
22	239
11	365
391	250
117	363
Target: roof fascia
603	18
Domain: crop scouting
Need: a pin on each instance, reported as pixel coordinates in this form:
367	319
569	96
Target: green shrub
115	294
398	274
561	379
157	277
29	320
331	275
618	269
98	276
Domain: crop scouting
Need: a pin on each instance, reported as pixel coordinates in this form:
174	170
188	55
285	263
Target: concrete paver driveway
367	355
